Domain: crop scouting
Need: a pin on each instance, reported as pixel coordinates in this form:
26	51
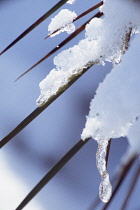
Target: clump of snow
50	86
110	32
62	22
105	41
134	137
55	81
116	105
71	1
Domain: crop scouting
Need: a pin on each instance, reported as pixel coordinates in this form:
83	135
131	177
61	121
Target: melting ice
105	188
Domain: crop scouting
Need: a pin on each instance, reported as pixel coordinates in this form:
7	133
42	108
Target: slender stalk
69	38
34	25
39	110
52	172
132	186
88	11
107	152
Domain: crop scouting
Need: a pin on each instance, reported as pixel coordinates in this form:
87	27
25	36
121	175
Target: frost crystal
62	22
105	188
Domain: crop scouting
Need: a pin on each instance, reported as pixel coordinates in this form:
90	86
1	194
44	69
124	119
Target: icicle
105	188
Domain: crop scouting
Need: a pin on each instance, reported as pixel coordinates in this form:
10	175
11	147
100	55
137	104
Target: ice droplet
105	188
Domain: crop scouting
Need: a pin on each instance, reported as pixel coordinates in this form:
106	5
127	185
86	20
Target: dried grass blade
52	172
34	25
132	186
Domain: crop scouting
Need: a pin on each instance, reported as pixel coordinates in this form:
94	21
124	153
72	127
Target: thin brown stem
136	175
34	25
107	152
52	173
89	10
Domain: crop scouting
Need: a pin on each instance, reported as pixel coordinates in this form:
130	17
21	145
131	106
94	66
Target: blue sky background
42	143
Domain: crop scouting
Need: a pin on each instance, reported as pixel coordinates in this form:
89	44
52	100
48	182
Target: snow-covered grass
62	22
115	109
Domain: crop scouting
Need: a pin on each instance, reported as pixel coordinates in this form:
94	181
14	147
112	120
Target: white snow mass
116	105
62	22
71	1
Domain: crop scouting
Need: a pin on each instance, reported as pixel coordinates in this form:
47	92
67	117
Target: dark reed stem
52	172
107	152
34	25
136	175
